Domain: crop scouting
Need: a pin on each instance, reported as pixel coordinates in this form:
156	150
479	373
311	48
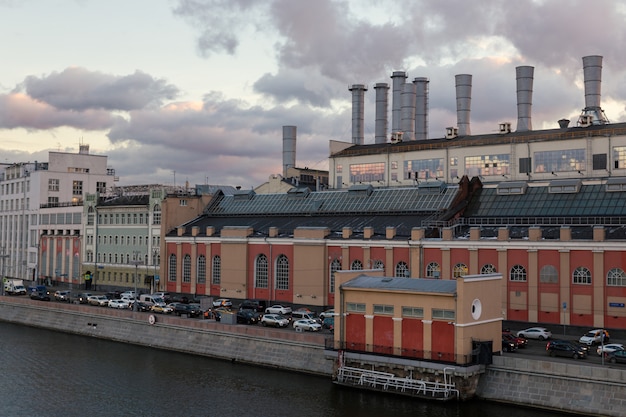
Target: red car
520	342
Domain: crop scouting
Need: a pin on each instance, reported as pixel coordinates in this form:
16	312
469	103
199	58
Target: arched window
433	270
548	274
459	270
201	267
171	268
216	268
616	278
378	264
518	273
335	266
260	272
156	214
187	268
356	265
282	273
581	275
488	269
402	270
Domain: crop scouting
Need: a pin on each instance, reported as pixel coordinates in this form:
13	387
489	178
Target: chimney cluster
409	111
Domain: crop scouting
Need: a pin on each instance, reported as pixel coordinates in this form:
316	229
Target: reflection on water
45	373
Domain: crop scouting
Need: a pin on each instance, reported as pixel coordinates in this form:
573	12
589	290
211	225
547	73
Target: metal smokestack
398	79
524	78
463	102
358	110
592	69
408	112
382	108
421	108
289	148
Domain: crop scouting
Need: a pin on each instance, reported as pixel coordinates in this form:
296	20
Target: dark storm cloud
80	89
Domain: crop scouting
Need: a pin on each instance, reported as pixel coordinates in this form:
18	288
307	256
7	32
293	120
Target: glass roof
380	200
591	200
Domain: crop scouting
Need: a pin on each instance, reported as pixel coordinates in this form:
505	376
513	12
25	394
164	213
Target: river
46	373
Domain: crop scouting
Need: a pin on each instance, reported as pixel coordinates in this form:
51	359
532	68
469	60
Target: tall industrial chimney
463	102
398	79
592	69
358	110
524	78
289	148
408	112
382	107
421	108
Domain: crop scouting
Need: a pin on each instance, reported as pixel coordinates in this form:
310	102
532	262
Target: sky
197	91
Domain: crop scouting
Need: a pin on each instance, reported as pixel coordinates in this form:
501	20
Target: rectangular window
183	203
439	313
355	307
53	184
563	160
484	165
101	187
383	309
367	172
53	201
412	312
339	168
423	168
524	165
77	188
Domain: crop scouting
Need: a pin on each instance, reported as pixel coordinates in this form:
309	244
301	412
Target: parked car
141	306
566	348
306	314
128	294
307	325
83	297
39	295
619	356
329	323
222	302
256	305
610	348
508	345
62	295
247	317
274	320
182	309
166	296
162	309
540	333
278	309
595	337
327	313
120	303
520	342
98	300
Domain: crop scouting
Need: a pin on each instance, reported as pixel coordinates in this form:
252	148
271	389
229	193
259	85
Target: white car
595	337
223	302
610	348
540	333
122	303
98	300
128	294
327	313
275	320
307	325
278	309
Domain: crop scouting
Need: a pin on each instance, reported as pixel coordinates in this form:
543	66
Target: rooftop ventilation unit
396	137
512	188
616	184
243	194
452	132
361	189
585	120
299	192
564	186
431	187
505	127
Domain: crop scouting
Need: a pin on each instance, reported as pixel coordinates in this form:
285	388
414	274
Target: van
152	300
305	314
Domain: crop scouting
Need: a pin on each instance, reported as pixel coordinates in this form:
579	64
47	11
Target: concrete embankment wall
569	387
257	345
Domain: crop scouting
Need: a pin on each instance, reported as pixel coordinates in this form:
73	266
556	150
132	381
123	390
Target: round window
477	309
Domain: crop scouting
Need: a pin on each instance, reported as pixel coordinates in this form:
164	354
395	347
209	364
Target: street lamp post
135	262
3	256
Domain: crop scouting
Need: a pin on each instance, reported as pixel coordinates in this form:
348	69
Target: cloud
19	110
80	89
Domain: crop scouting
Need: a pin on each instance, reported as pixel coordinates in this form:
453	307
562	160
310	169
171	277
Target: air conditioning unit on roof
396	137
505	127
452	132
